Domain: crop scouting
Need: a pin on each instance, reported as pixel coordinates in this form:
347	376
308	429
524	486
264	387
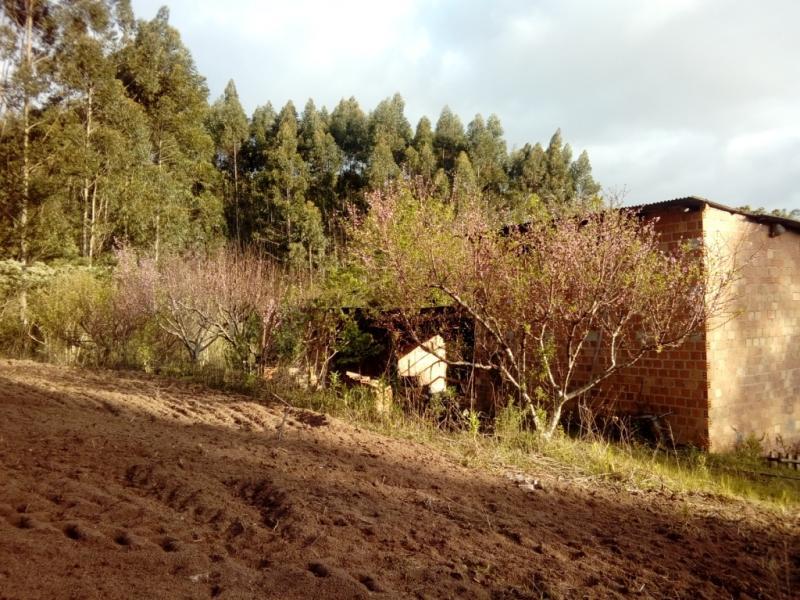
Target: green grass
742	475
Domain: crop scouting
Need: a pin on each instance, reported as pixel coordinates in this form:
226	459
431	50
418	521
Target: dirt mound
126	486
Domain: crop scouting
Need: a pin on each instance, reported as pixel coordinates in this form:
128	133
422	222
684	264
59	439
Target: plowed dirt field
122	485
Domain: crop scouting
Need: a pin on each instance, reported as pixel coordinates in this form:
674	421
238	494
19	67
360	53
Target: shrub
68	315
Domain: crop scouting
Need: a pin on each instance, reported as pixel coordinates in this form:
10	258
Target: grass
741	475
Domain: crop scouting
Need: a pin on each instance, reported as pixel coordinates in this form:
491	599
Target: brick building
741	375
737	377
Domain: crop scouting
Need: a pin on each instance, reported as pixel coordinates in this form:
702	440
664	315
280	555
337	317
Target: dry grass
741	475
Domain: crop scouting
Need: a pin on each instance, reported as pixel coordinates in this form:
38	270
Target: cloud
669	97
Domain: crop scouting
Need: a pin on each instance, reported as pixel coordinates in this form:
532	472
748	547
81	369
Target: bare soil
120	485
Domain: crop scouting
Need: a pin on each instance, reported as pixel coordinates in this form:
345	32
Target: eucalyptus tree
527	168
420	158
102	144
350	128
449	139
286	223
584	185
466	187
382	168
324	160
488	154
30	33
159	74
387	123
557	187
229	128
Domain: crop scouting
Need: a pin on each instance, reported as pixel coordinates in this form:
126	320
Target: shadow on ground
121	485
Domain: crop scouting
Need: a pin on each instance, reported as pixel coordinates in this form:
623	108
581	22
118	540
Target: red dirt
119	485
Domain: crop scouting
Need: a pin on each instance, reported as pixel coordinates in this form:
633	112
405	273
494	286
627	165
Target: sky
670	98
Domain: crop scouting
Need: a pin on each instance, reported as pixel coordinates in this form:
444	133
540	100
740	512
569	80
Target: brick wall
754	358
672	384
739	376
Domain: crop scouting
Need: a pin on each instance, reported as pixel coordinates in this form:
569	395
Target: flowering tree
247	295
229	294
548	298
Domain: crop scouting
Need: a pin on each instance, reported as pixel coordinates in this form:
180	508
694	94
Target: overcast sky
670	97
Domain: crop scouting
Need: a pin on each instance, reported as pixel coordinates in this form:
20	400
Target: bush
69	315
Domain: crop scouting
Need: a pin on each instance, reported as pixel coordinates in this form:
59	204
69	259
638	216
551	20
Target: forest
108	139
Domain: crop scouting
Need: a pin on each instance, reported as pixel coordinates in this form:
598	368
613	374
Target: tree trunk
26	133
93	223
88	213
236	194
26	163
158	205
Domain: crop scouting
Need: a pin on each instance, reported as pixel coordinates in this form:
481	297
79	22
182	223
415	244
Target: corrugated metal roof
696	202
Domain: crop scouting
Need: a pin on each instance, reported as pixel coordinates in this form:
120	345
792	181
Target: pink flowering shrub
541	293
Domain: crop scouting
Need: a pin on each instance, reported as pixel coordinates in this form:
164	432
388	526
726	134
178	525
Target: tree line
107	138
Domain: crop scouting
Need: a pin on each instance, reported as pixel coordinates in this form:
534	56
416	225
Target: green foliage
388	125
229	129
466	189
354	345
68	312
159	74
108	138
557	185
751	447
382	168
776	212
584	185
103	138
324	160
472	418
487	152
449	139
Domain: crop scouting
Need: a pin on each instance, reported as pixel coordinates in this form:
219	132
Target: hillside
121	485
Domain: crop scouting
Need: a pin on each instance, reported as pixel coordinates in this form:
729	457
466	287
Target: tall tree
229	128
290	226
102	135
350	128
466	187
420	157
388	123
261	136
324	160
423	133
584	185
160	75
382	167
287	173
487	153
449	139
556	188
528	168
309	122
30	41
262	127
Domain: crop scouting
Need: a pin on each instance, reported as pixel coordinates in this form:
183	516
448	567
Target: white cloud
670	97
653	14
744	146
